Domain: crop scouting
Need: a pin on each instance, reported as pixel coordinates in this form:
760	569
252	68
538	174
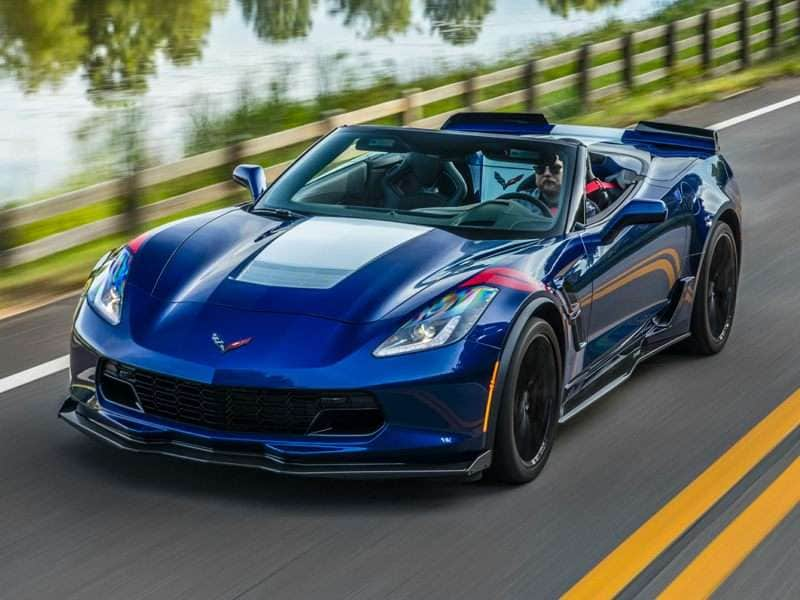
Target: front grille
238	409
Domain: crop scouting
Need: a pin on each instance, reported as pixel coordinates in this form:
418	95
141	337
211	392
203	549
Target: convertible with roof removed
406	302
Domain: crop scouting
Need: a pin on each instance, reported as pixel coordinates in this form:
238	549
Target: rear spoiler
504	123
645	132
668	134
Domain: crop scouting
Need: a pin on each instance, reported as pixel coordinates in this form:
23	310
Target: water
67	66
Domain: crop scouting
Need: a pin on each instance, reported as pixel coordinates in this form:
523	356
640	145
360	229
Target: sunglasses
555	169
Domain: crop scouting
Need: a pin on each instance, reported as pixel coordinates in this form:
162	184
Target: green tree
376	18
459	22
279	20
40	42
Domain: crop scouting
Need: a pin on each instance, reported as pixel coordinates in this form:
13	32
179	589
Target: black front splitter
82	420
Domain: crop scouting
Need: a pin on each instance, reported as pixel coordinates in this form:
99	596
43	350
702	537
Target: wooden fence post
413	110
235	153
774	27
708	42
584	59
797	26
329	116
470	94
672	54
530	85
744	35
6	239
797	16
627	59
131	201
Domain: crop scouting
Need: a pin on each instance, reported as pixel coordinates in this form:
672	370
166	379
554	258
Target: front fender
538	303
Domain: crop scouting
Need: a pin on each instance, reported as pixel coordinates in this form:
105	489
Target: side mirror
635	212
253	178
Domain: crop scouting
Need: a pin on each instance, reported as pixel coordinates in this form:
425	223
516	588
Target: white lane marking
755	113
61	363
24	377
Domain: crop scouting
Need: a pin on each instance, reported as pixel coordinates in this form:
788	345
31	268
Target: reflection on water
279	20
114	41
65	62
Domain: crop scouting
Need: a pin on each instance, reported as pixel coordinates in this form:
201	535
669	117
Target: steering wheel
537	202
464	217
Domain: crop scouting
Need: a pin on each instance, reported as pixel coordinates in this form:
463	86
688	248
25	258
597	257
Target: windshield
442	179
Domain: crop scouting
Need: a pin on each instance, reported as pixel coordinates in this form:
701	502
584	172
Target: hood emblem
223	347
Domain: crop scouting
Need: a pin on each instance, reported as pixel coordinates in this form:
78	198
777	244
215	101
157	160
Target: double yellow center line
629	559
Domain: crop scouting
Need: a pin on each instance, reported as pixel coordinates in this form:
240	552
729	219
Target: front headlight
107	289
445	321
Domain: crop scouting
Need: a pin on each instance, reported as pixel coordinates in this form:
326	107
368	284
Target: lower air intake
240	409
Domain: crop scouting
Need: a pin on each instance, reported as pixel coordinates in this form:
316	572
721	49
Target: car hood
352	270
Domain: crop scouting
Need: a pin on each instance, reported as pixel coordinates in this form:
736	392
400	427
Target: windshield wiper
396	211
281	213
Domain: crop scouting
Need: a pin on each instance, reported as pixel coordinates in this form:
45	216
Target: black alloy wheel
529	408
721	293
715	295
533	399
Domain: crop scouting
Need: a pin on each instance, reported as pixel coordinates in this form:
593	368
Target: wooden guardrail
662	50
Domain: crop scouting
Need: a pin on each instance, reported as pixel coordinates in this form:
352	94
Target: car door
633	274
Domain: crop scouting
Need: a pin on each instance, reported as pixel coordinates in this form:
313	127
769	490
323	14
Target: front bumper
99	426
433	403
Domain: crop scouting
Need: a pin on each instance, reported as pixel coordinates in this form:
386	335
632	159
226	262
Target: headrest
426	168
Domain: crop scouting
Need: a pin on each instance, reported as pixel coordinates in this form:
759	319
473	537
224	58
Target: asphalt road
80	520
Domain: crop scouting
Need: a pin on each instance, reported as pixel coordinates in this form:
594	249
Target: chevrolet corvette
408	302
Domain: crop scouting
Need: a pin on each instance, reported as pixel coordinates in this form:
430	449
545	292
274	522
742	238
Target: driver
548	177
548	182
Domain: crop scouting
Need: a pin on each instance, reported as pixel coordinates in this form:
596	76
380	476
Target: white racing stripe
61	363
755	113
24	377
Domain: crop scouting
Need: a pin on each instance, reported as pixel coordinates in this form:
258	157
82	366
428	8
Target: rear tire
529	407
715	295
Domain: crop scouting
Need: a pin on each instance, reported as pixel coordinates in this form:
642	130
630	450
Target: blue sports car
406	302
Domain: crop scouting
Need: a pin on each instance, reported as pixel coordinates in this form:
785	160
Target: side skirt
624	368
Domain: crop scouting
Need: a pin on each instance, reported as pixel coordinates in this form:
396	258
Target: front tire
529	408
715	296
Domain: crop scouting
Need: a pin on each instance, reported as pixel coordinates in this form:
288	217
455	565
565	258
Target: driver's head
548	176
